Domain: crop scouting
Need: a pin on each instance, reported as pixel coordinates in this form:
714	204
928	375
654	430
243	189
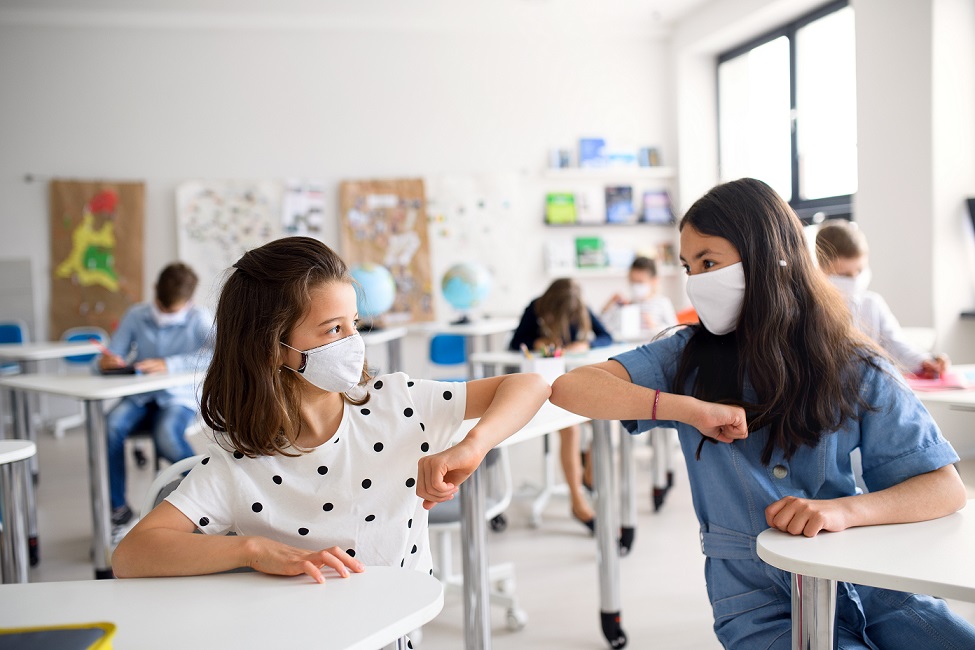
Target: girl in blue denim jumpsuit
776	345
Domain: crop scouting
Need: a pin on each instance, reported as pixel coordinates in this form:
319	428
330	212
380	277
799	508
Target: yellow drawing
92	256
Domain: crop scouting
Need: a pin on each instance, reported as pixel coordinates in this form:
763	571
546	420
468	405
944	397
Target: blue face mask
335	367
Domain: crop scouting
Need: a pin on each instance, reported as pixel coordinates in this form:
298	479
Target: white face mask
335	367
852	287
717	297
639	291
164	319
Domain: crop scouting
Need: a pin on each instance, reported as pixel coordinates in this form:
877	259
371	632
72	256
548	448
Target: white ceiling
650	17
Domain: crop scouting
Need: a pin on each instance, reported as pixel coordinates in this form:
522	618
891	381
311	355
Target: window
787	112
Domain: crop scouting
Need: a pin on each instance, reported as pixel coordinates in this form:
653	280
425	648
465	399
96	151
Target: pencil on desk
525	351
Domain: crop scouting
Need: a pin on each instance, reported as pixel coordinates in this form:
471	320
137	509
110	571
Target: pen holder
548	367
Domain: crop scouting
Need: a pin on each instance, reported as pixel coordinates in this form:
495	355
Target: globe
376	291
466	285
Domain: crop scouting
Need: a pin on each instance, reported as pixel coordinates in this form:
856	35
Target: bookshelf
609	174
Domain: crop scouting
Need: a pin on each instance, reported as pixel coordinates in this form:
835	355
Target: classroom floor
663	593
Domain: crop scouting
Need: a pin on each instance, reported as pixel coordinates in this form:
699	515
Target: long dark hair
245	396
560	309
794	338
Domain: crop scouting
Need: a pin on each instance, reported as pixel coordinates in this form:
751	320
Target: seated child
316	464
656	311
841	250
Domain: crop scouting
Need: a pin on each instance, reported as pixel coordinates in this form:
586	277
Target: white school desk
483	329
477	611
93	390
236	610
14	473
879	556
27	356
954	411
392	337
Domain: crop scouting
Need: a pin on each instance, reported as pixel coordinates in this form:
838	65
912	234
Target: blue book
619	204
592	152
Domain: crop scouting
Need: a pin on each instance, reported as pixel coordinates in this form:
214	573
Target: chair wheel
140	458
516	619
499	523
506	586
658	498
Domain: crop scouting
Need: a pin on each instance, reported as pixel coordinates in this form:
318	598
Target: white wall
129	96
916	99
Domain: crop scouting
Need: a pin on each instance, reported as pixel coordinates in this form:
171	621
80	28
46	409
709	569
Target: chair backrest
13	331
448	349
85	333
166	481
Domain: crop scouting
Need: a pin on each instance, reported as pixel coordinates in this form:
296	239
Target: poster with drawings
218	221
477	218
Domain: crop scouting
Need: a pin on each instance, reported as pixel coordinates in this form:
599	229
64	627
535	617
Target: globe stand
463	320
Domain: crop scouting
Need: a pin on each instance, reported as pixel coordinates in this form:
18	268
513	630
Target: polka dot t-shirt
356	491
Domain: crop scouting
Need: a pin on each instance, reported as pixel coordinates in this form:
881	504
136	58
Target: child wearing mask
776	346
841	249
169	334
656	311
316	463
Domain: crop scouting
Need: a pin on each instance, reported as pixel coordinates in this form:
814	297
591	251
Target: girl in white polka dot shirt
316	463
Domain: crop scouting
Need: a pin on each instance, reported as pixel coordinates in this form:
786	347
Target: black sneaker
121	515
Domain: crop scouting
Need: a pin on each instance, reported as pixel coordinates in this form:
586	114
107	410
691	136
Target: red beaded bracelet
656	398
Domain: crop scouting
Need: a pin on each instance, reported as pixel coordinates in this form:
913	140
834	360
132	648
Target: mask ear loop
304	359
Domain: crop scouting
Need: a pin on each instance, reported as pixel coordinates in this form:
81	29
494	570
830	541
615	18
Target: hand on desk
807	516
440	475
935	367
275	558
151	366
110	361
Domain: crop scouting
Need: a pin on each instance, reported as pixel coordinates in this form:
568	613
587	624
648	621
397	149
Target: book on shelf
589	206
656	208
560	208
590	252
619	204
592	152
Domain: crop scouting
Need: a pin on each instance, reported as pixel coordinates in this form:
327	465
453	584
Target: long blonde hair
559	309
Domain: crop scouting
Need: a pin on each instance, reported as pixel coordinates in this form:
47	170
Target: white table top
572	360
45	350
384	335
97	387
236	610
482	327
13	450
548	419
928	557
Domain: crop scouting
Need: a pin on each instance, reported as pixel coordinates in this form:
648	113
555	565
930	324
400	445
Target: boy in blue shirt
169	334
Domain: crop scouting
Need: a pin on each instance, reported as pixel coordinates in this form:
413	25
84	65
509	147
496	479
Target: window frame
809	210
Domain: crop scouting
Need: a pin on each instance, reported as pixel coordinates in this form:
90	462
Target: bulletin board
385	222
96	252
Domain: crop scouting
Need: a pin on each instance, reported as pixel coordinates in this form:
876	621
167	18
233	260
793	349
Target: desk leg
477	603
24	430
101	521
469	351
394	351
813	613
607	525
627	494
15	558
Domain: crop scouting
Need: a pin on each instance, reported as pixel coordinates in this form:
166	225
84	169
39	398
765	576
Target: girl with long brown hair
316	463
776	343
559	318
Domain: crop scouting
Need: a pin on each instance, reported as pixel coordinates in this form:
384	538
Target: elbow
540	387
560	390
958	491
120	562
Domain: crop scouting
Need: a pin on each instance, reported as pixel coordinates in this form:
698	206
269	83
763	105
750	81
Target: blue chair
449	350
12	331
78	334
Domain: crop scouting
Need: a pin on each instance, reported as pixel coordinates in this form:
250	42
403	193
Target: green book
560	208
590	252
